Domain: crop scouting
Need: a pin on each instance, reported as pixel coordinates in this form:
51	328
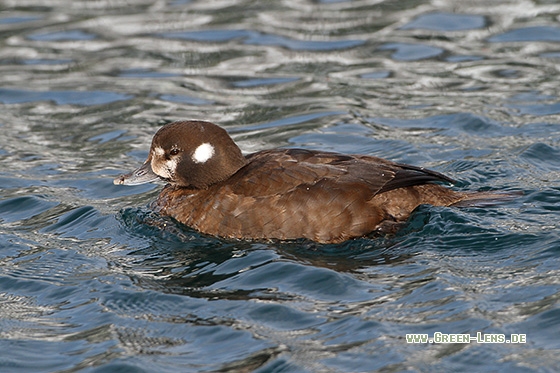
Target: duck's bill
142	175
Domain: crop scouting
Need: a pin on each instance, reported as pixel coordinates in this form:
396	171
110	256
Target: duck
284	193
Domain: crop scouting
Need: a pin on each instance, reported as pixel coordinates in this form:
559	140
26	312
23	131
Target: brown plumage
283	193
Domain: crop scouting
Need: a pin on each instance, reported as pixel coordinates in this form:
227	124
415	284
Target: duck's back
294	193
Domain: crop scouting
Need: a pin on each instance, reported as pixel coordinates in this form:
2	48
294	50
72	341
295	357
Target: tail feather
481	199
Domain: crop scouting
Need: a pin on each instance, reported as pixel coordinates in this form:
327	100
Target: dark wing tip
407	175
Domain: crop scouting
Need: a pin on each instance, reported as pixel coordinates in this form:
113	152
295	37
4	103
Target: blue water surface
446	22
92	280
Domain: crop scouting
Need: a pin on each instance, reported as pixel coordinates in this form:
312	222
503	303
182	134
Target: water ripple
446	22
13	96
536	33
258	38
21	208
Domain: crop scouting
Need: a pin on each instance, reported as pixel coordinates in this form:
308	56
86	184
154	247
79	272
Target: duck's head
188	154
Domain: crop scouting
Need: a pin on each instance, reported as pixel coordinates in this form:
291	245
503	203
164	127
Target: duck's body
282	193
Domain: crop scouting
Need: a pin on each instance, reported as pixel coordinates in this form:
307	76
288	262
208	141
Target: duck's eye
174	151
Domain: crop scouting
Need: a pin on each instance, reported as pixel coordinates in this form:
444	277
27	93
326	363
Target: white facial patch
171	168
165	169
203	153
159	151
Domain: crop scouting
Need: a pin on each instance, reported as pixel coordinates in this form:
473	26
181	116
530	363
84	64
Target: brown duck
284	193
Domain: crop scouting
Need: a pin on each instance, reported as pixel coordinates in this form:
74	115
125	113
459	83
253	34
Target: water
91	280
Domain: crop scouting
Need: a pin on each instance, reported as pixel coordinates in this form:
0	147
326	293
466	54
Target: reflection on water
92	280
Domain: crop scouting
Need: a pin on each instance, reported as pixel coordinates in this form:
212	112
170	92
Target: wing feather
292	168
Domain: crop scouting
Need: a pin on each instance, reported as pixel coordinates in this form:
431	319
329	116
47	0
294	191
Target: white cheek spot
203	153
171	168
160	166
165	169
159	151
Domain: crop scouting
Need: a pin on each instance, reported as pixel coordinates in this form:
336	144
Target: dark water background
468	88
